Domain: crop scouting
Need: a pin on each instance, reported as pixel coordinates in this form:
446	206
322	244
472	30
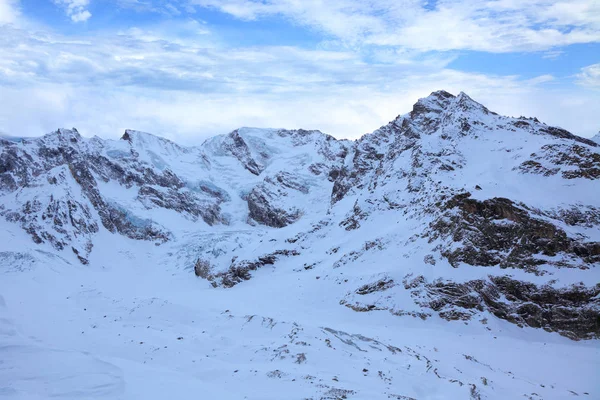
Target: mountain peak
151	141
464	98
131	135
442	94
62	135
435	103
442	100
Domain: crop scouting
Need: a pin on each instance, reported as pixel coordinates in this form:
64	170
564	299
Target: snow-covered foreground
131	327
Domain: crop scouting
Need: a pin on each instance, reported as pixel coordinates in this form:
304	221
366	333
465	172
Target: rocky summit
420	261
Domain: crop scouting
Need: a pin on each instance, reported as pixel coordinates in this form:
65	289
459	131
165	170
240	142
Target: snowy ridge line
419	261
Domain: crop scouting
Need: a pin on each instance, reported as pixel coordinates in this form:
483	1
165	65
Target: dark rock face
352	221
343	181
184	202
239	149
367	158
573	161
586	216
239	271
378	286
499	232
58	223
114	218
13	167
426	111
262	211
572	311
202	269
564	134
267	201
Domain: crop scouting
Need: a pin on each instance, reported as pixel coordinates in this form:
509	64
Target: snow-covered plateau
451	254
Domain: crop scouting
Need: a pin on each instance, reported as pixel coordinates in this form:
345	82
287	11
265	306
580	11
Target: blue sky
188	69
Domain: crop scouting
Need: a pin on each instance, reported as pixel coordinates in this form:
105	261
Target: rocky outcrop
585	216
62	222
181	201
499	232
570	160
238	148
240	270
377	286
268	204
261	210
564	134
572	311
114	218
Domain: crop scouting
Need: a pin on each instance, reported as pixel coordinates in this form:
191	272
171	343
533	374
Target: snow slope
420	261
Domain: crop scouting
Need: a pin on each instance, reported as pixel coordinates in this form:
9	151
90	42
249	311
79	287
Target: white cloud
590	76
180	80
347	111
75	9
491	25
9	11
183	88
81	16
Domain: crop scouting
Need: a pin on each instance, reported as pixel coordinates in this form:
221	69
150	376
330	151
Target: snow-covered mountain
420	261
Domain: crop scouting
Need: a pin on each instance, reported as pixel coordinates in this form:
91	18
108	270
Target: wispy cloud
75	9
552	54
590	76
188	84
181	78
492	25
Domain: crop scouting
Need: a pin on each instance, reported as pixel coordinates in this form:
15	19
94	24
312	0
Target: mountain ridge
461	100
450	215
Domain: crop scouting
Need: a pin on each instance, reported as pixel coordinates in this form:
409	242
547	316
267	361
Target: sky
189	69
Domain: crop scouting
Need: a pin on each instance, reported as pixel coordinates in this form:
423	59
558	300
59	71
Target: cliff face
450	209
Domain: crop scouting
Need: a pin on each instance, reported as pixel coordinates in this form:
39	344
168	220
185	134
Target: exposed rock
564	134
112	216
289	181
239	149
499	232
184	202
378	286
572	311
262	211
587	216
351	222
574	160
239	271
203	269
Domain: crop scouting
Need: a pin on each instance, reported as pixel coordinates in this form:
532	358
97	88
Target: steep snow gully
451	254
